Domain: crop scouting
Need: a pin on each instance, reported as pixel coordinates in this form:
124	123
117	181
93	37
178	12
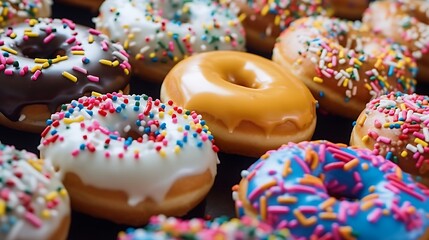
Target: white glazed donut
33	203
127	157
160	33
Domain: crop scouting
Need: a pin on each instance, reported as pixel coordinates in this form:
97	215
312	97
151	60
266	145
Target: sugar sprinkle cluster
27	194
222	228
169	31
406	116
9	9
379	71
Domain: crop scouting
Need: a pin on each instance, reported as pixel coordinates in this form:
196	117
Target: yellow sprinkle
328	215
365	138
287	200
351	164
303	220
46	65
46	214
277	20
115	63
377	64
327	203
311	180
96	94
265	10
105	62
126	44
350	69
265	156
51	196
90	38
40	60
69	76
362	120
263	207
32	22
9	50
357	61
318	80
12	35
346	81
269	184
404	153
367	86
2	207
31	34
371	188
35	68
78	52
162	153
73	120
421	142
126	71
176	149
63	192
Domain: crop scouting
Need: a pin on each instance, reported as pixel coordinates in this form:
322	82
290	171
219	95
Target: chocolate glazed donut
48	62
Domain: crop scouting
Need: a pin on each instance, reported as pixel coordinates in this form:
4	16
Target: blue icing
374	180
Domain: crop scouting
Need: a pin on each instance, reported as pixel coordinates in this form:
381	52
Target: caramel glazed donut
343	64
250	103
128	157
263	21
16	11
158	34
406	22
33	202
47	62
321	190
395	126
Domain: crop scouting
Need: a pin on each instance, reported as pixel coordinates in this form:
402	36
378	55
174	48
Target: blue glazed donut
321	190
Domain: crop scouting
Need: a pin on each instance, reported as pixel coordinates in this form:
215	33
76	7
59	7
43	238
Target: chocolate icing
51	87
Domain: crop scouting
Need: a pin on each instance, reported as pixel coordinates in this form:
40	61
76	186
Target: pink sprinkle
8	72
278	209
419	135
77	48
374	215
104	45
71	40
357	188
79	69
1	42
333	166
301	188
36	75
308	209
49	38
75	153
94	32
93	78
33	219
2	67
23	71
302	164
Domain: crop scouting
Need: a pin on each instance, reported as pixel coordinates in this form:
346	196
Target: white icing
151	174
129	21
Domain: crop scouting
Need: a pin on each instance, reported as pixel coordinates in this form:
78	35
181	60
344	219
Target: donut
16	11
221	228
322	190
127	157
250	103
342	64
33	202
263	21
395	127
158	34
47	62
406	22
349	9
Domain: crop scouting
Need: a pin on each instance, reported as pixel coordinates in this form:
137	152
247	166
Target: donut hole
39	52
243	79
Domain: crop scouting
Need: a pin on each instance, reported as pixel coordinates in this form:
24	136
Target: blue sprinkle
113	137
163	126
179	143
118	109
203	122
49	122
199	144
389	155
82	147
136	108
67	115
185	139
187	127
391	69
53	132
90	112
195	135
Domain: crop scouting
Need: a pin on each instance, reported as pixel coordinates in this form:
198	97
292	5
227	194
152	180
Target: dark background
219	201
